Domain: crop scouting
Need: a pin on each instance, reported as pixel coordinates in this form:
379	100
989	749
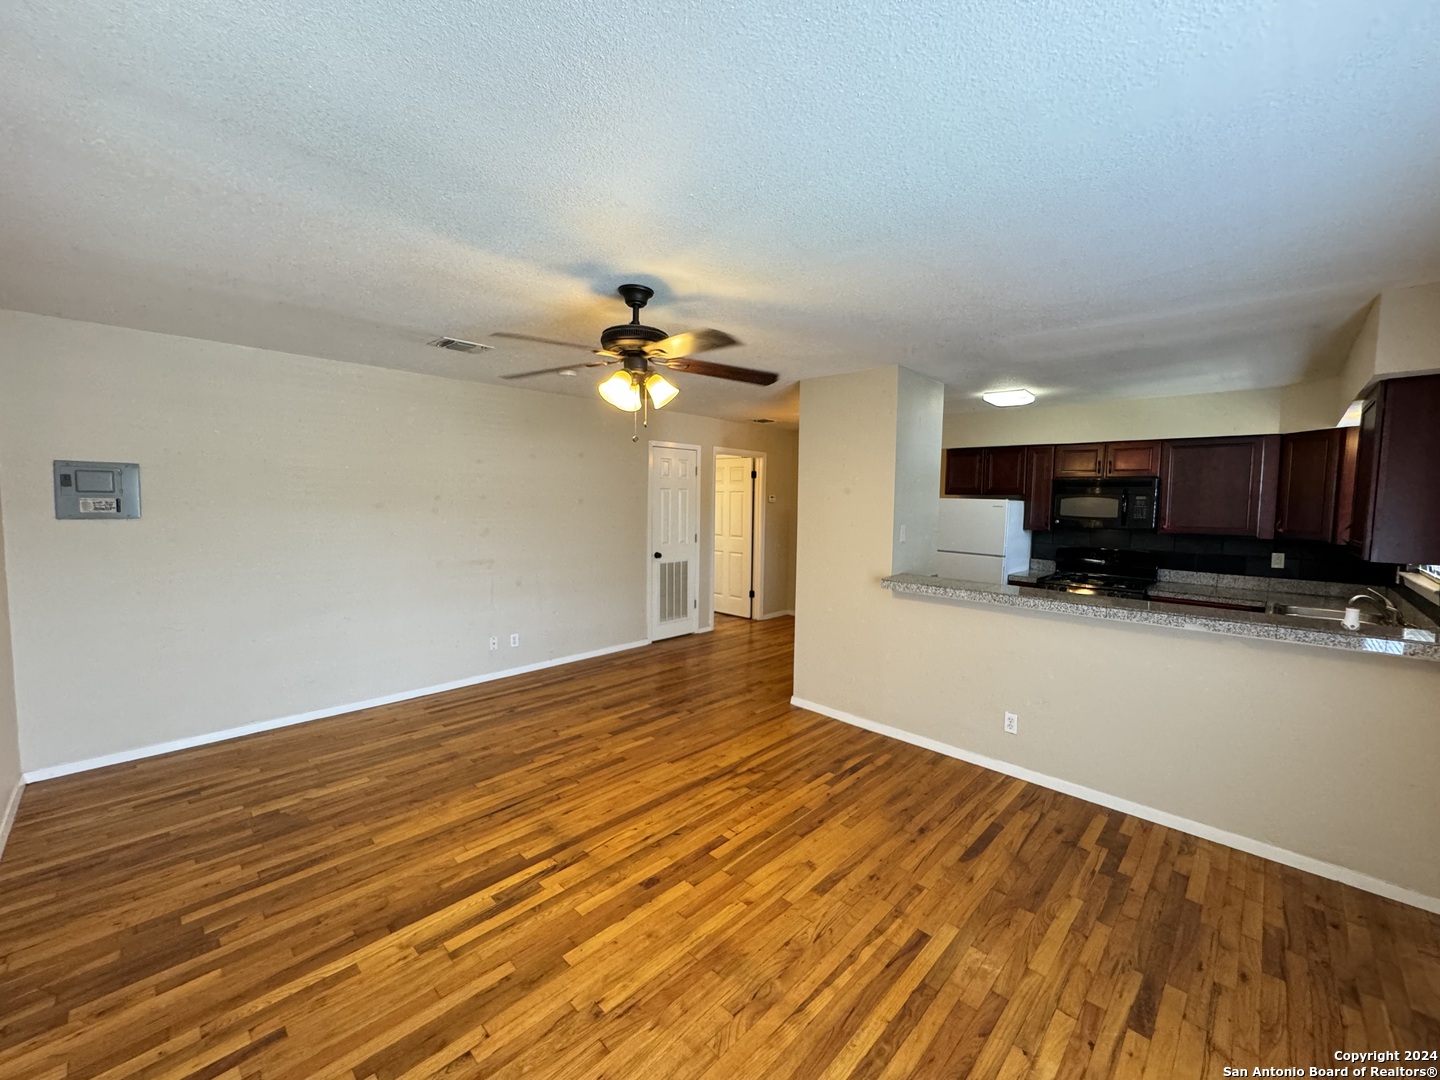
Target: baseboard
7	815
775	615
1318	867
122	756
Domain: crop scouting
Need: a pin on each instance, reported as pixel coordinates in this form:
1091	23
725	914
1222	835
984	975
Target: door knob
657	555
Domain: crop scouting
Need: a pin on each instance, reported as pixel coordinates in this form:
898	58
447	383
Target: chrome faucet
1380	600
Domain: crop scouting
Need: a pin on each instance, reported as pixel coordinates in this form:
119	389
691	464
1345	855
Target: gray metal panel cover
97	490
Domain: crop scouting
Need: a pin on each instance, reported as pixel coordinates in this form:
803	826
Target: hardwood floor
651	865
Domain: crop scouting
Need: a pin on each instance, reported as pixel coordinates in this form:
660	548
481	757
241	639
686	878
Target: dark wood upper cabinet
1345	486
1005	471
1397	473
1092	461
1309	484
996	471
1220	487
1039	483
964	471
1079	461
1132	459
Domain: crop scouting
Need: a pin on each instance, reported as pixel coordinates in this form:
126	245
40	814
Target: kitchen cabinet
1220	487
964	471
1396	513
1132	459
1345	487
996	471
1005	472
1039	482
1309	484
1089	461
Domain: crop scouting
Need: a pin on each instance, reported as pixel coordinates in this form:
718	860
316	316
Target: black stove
1101	572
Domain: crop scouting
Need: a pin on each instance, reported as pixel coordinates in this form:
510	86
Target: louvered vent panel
674	590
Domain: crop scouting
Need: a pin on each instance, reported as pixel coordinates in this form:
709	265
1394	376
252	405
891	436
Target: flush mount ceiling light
1007	398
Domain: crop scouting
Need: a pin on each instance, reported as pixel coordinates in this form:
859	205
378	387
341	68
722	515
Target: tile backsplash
1224	554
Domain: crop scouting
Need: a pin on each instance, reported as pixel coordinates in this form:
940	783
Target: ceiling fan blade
692	341
563	367
544	340
691	366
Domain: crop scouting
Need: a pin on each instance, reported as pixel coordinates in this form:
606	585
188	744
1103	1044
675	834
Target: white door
674	602
734	527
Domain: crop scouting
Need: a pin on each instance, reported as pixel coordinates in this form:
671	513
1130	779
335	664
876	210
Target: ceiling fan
641	349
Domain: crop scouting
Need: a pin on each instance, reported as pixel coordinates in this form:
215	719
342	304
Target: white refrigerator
982	540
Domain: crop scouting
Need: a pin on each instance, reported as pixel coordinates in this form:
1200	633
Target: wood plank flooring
651	865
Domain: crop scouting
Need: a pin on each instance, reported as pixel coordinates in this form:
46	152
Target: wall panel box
89	490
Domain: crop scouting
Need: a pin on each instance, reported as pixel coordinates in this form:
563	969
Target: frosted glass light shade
660	389
621	391
1009	398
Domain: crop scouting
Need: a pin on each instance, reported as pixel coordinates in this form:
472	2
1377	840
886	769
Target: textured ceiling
1094	199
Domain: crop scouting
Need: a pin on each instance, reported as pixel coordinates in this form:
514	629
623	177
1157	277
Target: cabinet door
1367	463
1004	472
1345	489
1404	523
1080	461
964	470
1039	482
1309	479
1219	487
1132	459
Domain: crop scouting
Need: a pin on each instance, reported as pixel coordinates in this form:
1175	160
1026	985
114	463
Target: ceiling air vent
456	344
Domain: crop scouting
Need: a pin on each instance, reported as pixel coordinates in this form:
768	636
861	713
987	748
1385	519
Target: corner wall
11	783
315	535
1324	754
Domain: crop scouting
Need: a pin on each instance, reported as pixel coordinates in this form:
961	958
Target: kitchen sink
1368	618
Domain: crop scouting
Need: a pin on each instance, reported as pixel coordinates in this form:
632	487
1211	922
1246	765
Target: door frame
650	584
757	528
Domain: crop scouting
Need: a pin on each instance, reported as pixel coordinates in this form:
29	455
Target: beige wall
1361	364
1401	336
1302	407
9	728
1323	753
314	533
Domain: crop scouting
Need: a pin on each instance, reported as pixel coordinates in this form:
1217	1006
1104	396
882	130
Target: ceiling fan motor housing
630	337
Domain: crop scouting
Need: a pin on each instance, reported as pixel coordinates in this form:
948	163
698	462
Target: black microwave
1104	504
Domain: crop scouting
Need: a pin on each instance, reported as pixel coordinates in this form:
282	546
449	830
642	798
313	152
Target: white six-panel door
674	590
734	528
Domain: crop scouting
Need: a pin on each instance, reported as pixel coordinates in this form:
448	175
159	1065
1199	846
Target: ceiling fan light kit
642	348
620	390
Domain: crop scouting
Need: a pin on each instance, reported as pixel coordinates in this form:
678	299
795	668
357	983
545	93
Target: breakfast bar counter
1239	607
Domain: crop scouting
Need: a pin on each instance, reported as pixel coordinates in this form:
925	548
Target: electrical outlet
494	643
1277	560
902	534
514	640
1012	723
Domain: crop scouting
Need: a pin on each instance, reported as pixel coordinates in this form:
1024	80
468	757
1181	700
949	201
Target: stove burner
1102	572
1096	585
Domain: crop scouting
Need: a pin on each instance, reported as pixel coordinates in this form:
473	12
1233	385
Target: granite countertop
1415	639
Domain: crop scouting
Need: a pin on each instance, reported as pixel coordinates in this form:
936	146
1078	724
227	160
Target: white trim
776	615
52	771
1342	874
7	816
760	463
